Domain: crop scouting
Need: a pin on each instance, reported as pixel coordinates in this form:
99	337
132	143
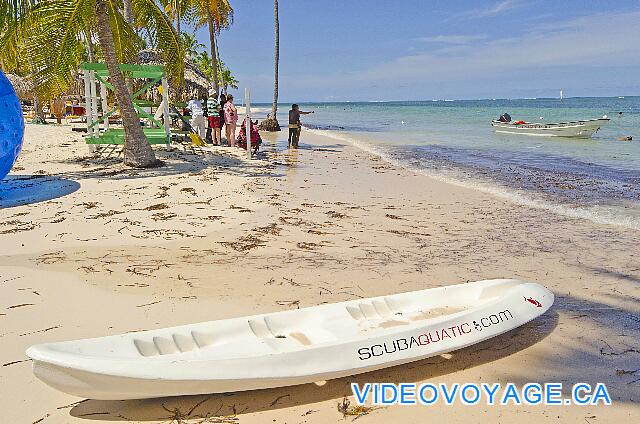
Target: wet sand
95	248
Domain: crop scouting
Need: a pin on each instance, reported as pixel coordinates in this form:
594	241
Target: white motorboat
289	347
579	129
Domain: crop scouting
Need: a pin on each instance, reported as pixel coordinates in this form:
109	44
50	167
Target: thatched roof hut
23	86
196	83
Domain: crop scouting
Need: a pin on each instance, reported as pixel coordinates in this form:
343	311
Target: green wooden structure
98	113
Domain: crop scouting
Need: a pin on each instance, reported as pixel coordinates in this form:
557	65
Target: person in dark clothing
505	117
294	125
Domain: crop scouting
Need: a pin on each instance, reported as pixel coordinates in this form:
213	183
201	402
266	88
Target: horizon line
445	100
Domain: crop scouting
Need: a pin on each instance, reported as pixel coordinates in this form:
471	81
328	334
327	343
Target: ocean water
596	178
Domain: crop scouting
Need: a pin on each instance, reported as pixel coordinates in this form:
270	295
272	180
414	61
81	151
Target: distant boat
561	95
577	129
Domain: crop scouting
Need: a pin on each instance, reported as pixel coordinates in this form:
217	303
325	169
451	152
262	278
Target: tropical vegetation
217	15
47	40
271	123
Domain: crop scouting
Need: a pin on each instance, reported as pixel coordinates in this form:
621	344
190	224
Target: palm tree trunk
128	11
271	123
137	151
214	58
178	23
89	47
221	80
39	113
276	57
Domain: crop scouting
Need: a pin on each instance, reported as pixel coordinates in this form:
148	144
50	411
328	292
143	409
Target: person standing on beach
294	125
213	108
223	100
197	117
230	119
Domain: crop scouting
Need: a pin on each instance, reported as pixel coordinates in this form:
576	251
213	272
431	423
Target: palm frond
127	42
220	10
54	44
150	16
13	14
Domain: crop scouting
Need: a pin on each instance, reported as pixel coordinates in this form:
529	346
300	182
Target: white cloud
491	10
602	40
496	9
453	39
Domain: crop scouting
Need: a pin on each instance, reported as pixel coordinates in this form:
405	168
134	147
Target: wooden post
94	102
87	106
103	97
247	122
165	111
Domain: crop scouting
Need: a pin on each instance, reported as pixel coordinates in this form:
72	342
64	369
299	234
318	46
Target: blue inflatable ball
11	126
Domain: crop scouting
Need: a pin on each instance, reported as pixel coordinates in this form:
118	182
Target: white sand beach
95	248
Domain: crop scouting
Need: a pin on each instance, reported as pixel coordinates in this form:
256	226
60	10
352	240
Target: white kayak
579	129
290	347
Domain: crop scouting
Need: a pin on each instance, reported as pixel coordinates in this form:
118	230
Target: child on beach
213	109
230	119
294	125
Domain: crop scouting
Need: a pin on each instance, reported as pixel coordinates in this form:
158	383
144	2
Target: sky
371	50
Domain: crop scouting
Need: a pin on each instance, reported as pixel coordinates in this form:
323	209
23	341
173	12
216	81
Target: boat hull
292	347
576	129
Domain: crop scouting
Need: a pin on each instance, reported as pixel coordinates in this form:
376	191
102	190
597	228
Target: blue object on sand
11	126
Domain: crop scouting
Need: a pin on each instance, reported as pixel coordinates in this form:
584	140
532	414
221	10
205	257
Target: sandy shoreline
212	235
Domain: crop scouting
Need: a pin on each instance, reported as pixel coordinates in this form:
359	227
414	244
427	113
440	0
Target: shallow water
597	178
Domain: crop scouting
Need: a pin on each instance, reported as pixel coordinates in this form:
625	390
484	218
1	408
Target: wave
609	215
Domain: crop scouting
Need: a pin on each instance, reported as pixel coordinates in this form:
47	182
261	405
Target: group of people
208	117
221	113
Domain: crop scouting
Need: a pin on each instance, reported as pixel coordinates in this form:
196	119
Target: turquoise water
597	178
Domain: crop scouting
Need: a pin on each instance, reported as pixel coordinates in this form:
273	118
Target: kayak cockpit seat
377	313
195	340
283	333
394	311
176	343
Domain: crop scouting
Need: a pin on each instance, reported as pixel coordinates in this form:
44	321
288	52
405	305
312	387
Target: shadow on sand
207	406
27	189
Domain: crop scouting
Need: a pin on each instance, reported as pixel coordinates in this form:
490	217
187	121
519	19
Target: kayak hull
575	129
290	347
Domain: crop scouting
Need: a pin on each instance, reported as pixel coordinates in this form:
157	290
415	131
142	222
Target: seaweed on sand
272	229
107	214
355	411
337	215
156	207
307	245
18	226
179	417
189	190
244	243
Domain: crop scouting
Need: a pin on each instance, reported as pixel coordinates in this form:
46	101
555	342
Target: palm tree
176	9
276	60
225	77
271	123
137	151
12	59
217	15
190	44
55	35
